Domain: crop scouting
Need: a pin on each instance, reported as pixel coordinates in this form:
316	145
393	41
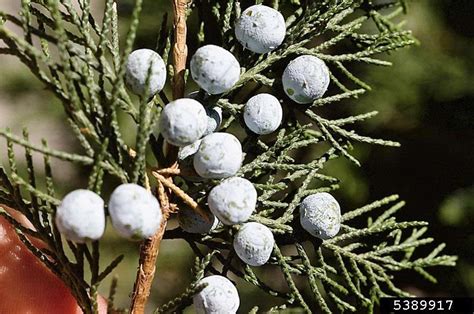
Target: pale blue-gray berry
214	119
233	200
254	243
214	112
183	121
134	211
81	216
214	69
260	29
306	79
320	215
192	222
137	69
263	114
219	156
218	297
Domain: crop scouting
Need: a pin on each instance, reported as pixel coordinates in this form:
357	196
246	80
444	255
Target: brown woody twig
150	247
188	200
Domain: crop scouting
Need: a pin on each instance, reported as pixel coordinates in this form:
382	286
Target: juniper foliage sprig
81	61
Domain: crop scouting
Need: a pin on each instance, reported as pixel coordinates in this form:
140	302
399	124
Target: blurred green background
426	102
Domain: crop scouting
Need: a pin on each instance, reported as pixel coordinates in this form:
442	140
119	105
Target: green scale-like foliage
82	62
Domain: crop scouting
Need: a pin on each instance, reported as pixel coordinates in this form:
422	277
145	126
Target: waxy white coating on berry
260	29
188	150
214	119
220	296
263	114
233	200
190	221
214	113
254	243
134	211
183	121
137	67
320	215
306	79
219	156
81	216
214	69
186	159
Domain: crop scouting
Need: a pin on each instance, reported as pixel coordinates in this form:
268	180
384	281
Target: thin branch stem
150	247
180	50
